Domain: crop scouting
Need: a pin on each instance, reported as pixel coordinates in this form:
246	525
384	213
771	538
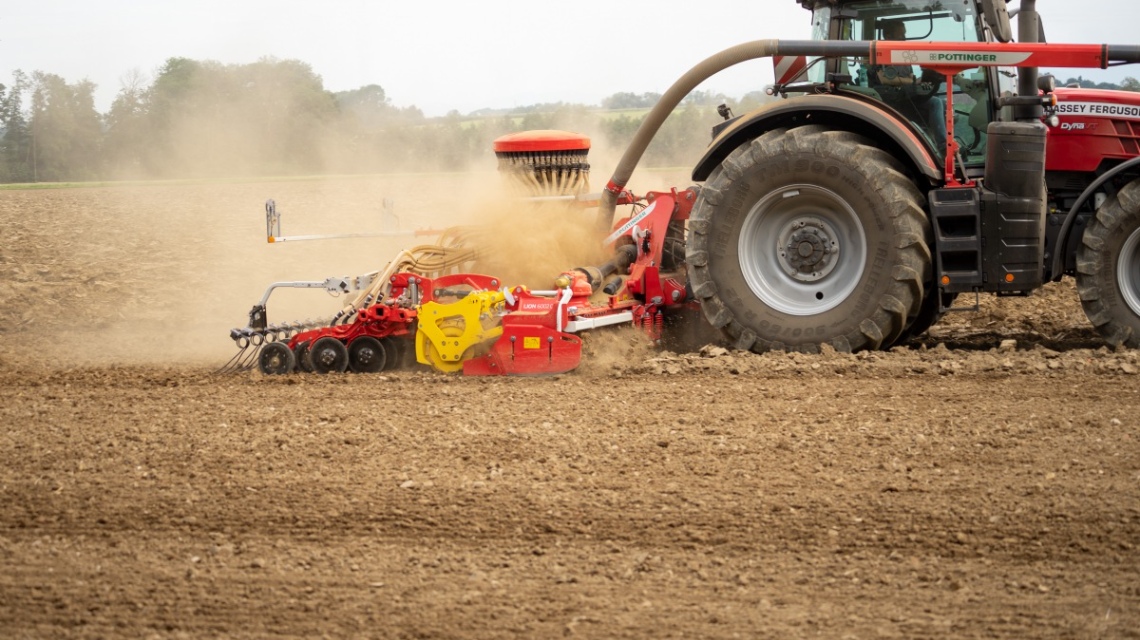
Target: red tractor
903	167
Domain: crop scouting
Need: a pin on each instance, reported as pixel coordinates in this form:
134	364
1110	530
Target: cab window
916	94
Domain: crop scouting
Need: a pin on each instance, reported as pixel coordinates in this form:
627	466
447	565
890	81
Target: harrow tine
234	364
248	360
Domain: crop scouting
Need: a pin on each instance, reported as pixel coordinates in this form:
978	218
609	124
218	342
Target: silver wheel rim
1128	272
802	250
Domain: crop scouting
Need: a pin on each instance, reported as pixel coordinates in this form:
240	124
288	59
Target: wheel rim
366	355
802	250
328	355
1128	271
276	359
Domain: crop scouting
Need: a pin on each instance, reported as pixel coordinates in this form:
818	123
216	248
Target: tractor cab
916	94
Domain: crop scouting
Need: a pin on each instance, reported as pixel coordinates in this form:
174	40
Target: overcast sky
462	55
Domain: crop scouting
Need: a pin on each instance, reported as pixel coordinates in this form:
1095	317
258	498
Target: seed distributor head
545	163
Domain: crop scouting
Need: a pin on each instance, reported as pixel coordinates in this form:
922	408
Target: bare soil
983	481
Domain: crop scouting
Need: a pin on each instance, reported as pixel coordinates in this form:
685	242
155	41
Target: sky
454	55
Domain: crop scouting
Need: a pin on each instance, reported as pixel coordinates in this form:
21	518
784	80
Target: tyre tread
1108	314
896	310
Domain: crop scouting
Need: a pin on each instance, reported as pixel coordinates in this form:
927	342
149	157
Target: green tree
173	89
66	129
369	108
16	141
287	113
1130	84
1081	81
272	116
751	100
627	100
127	129
701	98
682	138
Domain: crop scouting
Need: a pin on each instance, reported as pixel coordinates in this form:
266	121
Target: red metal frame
535	340
966	55
949	59
951	142
378	321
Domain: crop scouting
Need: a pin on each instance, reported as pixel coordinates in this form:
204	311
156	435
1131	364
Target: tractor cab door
917	94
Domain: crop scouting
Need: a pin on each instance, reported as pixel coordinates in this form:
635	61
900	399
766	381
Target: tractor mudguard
893	134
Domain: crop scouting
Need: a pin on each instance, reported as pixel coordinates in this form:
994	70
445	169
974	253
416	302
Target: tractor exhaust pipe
1028	30
1014	183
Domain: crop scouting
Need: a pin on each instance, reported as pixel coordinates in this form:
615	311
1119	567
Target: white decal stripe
567	293
783	64
629	225
574	326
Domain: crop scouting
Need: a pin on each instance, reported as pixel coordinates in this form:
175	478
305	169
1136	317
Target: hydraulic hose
624	256
660	111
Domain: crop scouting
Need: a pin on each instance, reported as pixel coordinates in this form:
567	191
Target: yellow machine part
447	332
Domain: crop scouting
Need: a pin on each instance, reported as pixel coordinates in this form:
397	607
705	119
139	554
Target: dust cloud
613	349
159	272
528	243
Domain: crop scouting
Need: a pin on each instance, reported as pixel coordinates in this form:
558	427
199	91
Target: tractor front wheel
1108	268
809	236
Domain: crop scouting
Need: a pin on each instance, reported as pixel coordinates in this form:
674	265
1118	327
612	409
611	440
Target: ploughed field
981	482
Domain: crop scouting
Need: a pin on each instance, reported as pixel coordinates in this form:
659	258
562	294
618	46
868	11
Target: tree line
275	117
204	119
1128	84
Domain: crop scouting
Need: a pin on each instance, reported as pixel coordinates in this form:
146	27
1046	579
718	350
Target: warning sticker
532	343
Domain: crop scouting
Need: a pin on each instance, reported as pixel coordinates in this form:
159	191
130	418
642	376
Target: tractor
915	159
849	215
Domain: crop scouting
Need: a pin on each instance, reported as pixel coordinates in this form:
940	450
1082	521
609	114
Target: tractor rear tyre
930	312
809	236
328	355
1108	268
